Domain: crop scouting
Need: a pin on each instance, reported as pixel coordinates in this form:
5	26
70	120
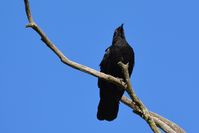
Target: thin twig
160	122
171	124
28	12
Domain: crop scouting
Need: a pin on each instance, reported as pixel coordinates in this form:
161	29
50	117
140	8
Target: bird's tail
107	109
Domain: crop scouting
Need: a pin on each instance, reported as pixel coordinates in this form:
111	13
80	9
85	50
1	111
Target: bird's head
119	32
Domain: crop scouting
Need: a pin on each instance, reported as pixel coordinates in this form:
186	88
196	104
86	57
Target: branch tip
122	65
32	24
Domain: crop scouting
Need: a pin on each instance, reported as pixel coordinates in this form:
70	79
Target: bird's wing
106	56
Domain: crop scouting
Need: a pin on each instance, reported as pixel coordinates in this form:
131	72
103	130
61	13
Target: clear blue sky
38	94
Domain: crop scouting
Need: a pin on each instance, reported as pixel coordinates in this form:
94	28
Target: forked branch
138	107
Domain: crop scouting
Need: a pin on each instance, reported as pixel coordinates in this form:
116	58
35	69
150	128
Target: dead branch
154	120
142	109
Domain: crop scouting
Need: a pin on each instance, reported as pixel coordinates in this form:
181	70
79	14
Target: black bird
110	94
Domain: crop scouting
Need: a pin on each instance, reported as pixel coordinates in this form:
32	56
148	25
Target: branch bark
154	120
144	111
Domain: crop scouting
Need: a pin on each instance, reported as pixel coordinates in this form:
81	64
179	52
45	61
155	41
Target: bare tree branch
166	125
145	114
138	107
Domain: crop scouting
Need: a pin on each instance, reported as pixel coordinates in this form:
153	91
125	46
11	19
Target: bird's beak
122	26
